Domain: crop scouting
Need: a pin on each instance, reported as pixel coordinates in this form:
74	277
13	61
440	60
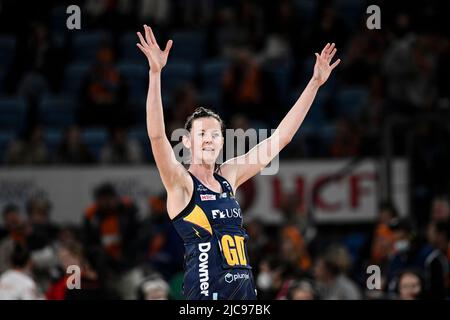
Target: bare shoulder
179	195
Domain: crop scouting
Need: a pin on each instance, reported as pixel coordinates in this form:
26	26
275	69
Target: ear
186	141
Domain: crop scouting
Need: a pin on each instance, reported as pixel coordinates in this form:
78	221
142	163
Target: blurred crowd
82	100
123	255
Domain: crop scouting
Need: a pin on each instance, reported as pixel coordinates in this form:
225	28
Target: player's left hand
322	68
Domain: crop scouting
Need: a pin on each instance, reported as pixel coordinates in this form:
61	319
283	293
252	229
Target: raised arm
172	172
240	169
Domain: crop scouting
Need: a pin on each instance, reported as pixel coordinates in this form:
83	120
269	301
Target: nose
207	138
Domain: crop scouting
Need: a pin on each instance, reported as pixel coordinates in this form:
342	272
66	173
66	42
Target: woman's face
409	287
205	140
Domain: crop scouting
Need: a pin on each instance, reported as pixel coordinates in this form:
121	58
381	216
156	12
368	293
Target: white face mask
264	280
401	245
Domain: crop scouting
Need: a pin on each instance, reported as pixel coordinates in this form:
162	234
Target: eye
216	135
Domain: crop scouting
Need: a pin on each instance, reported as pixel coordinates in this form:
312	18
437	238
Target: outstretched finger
168	46
147	35
331	55
141	38
335	64
140	47
152	36
324	50
330	48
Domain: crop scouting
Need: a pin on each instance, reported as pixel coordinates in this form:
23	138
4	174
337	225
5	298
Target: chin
208	160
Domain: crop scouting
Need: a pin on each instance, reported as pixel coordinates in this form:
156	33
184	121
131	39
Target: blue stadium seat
211	99
12	113
352	12
212	73
316	116
306	9
57	111
354	242
136	77
327	135
52	138
188	46
74	76
95	139
350	101
59	29
128	49
281	75
5	138
86	44
7	50
2	77
139	133
176	74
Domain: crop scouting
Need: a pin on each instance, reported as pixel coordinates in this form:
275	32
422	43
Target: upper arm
239	169
172	172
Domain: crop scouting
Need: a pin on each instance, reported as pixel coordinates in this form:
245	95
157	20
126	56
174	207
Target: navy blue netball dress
216	261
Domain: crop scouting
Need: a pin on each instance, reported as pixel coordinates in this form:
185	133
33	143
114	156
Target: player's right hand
156	57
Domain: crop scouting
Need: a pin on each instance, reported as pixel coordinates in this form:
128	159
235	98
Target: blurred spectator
39	62
440	209
437	262
301	290
347	139
154	12
90	286
442	71
110	226
193	13
154	288
269	280
296	213
409	286
43	231
332	282
257	247
409	65
104	93
328	25
185	101
408	251
383	237
31	151
17	283
294	251
16	234
41	235
120	149
372	115
72	149
356	66
159	245
243	84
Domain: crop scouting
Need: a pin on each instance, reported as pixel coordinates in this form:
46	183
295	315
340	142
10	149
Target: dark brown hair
202	112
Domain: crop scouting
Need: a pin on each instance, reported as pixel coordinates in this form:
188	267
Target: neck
204	172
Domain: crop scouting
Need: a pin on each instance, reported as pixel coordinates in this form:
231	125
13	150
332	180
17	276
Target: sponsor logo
227	213
229	278
207	197
201	188
203	269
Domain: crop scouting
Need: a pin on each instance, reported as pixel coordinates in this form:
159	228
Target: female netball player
200	201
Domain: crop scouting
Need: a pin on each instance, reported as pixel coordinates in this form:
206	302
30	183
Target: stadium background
72	110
